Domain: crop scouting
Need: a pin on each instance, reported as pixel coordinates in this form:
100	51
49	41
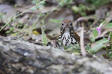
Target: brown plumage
77	37
68	30
67	34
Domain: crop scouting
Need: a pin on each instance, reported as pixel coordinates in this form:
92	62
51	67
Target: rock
1	1
101	12
59	14
23	2
17	2
7	12
21	57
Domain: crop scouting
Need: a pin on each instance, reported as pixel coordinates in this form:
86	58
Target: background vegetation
36	18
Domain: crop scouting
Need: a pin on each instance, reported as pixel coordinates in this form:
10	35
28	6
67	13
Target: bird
67	34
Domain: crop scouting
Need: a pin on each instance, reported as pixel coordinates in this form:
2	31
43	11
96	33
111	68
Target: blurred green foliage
98	45
38	4
44	38
81	9
98	3
64	2
109	25
56	20
94	35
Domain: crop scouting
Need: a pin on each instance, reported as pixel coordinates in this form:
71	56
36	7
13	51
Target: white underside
67	39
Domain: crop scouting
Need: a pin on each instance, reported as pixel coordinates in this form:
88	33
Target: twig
105	32
83	51
84	19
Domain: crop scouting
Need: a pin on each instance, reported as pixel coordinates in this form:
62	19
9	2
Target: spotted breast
68	35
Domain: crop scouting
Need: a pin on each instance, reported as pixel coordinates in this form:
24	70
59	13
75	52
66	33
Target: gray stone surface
21	57
7	12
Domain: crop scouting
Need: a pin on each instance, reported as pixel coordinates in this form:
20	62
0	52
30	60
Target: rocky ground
23	52
21	57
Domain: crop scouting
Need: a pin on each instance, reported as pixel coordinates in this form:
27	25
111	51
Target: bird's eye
70	24
62	24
